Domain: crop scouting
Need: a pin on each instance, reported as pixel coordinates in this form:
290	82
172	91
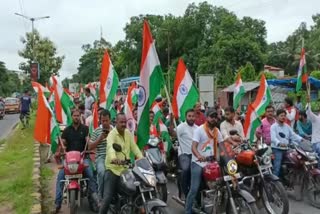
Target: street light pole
32	19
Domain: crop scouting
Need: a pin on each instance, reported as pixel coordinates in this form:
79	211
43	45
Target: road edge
13	127
37	206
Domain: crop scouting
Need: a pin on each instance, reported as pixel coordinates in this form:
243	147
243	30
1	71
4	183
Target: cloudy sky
76	22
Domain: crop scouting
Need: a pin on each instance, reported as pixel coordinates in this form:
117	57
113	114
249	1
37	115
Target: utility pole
32	19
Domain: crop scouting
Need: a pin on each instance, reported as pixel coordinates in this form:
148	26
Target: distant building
278	72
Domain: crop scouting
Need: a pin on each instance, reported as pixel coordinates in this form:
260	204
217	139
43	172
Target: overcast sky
76	22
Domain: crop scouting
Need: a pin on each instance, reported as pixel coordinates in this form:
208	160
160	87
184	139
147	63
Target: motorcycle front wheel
275	198
163	192
72	202
312	190
242	207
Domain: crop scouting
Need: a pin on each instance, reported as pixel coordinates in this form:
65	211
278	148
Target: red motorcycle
75	186
299	172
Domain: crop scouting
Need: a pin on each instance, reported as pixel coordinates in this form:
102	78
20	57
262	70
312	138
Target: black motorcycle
137	189
158	162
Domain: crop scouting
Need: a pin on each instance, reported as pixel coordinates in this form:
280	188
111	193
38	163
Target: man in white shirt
231	124
205	139
315	120
88	100
185	134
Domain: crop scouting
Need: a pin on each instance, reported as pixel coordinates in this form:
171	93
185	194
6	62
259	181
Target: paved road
7	123
174	208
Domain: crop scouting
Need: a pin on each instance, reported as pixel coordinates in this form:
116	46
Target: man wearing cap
205	142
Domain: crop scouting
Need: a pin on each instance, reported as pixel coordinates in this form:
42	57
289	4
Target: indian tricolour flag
95	119
62	101
109	82
46	128
129	106
45	90
151	81
302	72
185	94
238	92
157	111
257	109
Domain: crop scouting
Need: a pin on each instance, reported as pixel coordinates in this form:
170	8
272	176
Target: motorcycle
255	165
75	187
222	192
137	189
158	161
299	172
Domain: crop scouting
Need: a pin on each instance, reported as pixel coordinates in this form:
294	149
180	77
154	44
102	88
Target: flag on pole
185	94
238	92
95	118
257	109
129	106
45	90
46	128
109	82
302	71
63	103
151	81
157	111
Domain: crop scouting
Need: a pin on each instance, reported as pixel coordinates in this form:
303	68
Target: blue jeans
196	178
59	185
316	148
185	165
278	155
111	187
100	166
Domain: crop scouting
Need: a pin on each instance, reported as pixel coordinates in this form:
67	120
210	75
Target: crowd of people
198	136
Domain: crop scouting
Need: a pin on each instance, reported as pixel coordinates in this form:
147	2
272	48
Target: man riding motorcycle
205	140
74	138
281	136
122	136
266	123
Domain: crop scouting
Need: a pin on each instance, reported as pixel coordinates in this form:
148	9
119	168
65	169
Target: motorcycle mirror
117	147
233	132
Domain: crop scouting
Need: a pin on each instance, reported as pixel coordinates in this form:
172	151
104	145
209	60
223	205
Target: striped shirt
101	147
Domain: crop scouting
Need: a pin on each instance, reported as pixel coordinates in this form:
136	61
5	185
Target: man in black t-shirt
74	138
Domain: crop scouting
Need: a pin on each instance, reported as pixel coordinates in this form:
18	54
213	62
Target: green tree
248	73
268	75
315	74
43	51
10	81
90	62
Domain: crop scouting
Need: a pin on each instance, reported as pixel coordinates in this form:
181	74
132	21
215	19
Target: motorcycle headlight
151	179
266	160
232	167
73	167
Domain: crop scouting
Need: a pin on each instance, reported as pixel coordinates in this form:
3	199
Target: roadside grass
2	141
47	201
16	166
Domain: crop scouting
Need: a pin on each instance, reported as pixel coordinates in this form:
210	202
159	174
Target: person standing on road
205	140
25	105
185	135
122	136
98	141
74	138
88	100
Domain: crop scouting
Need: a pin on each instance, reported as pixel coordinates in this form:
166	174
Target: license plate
310	163
229	178
73	176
